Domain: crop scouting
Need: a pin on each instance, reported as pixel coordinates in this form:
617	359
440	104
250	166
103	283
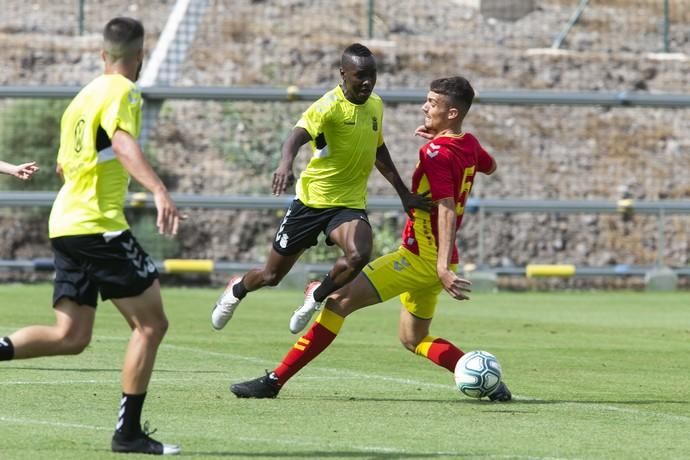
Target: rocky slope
543	152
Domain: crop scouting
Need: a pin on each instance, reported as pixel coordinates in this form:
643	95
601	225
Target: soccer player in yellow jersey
23	171
94	250
345	130
424	265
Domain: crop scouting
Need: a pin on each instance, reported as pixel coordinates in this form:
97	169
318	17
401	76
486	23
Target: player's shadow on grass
327	454
484	402
567	401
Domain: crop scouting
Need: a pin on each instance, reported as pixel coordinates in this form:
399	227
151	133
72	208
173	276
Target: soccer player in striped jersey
95	252
425	263
345	130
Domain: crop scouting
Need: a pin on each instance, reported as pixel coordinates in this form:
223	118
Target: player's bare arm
410	200
23	171
425	133
284	177
455	286
133	160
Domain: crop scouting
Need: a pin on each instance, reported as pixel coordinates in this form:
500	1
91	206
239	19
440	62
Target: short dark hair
458	90
123	37
356	49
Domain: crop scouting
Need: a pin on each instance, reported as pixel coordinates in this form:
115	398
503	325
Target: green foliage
30	131
159	247
252	141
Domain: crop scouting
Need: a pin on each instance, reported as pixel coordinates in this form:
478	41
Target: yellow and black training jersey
345	137
92	197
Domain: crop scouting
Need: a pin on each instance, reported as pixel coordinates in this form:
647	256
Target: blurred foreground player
93	247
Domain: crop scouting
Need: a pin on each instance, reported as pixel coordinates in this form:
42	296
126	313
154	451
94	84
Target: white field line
361	375
26	421
114	381
302	442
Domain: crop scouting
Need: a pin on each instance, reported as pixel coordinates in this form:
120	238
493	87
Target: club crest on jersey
432	149
374	124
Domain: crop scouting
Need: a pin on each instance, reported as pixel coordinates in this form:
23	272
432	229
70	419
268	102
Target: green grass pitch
595	376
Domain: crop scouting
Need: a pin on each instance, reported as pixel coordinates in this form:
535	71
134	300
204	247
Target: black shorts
301	226
85	265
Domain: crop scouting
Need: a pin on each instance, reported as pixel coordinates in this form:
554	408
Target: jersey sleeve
315	117
439	172
484	160
123	111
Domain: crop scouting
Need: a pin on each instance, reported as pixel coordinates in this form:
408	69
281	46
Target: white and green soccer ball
477	374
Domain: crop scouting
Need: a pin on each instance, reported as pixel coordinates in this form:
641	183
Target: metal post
480	256
573	20
371	19
661	243
667	40
81	17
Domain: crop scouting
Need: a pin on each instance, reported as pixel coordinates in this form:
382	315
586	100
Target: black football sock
239	291
6	349
327	287
129	417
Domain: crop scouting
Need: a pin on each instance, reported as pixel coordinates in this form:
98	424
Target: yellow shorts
412	278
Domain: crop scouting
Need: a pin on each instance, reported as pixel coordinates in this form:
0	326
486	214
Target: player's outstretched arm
455	286
133	160
410	201
23	171
283	177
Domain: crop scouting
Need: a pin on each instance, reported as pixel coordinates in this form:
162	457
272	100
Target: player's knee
358	258
409	343
271	278
340	304
74	342
155	330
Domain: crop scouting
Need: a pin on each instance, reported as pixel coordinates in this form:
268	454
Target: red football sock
440	351
310	345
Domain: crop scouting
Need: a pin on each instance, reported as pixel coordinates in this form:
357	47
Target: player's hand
417	201
282	179
454	285
169	218
423	132
25	171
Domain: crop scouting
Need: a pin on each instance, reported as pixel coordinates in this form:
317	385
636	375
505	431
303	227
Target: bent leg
275	269
353	296
414	336
356	241
69	336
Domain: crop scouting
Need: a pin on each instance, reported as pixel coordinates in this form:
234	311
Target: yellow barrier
138	200
536	270
625	206
188	265
292	92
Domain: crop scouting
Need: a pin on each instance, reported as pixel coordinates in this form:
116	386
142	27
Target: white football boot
225	306
301	317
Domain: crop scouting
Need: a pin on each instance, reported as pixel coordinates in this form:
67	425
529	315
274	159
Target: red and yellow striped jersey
447	166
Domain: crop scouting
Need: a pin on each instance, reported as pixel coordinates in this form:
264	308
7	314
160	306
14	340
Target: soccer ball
477	374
